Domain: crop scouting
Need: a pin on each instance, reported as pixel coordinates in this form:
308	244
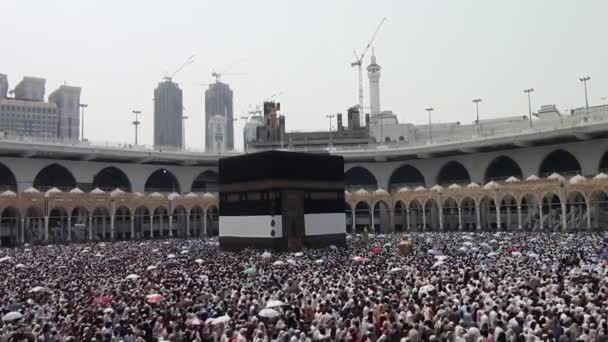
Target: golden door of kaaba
293	219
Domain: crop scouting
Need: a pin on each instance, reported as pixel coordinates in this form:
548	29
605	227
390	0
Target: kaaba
282	201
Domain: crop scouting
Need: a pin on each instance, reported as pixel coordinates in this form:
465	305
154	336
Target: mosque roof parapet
577	179
492	185
116	192
404	189
97	191
532	178
454	186
172	196
512	179
8	193
420	188
381	192
209	195
436	187
556	177
473	185
191	195
601	175
76	191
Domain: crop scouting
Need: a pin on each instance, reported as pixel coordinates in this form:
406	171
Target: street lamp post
330	116
584	80
184	118
528	91
136	123
82	107
430	110
476	102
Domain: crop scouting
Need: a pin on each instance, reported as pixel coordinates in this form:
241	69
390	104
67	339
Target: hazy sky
438	53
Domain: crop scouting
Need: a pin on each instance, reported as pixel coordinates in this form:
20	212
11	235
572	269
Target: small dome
208	195
601	175
404	189
532	178
577	179
361	192
76	191
491	185
381	192
53	191
31	190
473	185
8	193
173	196
512	179
138	194
454	186
436	187
116	192
191	195
97	191
556	177
420	188
155	194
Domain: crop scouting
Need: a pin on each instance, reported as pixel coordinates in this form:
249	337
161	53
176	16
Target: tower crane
359	61
219	75
188	61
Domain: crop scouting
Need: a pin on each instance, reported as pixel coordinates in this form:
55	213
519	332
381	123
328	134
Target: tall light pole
136	123
430	110
184	118
82	107
528	91
476	102
330	117
584	80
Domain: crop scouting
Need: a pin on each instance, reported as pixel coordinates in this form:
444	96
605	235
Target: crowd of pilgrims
451	287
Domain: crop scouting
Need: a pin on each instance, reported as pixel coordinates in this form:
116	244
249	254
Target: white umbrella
155	250
441	257
102	244
467	243
429	240
319	261
492	254
184	251
171	256
426	288
12	316
395	270
493	241
349	237
151	268
99	255
108	310
268	313
20	266
39	289
437	264
462	249
299	254
333	247
132	276
221	320
516	254
467	237
485	244
278	263
291	262
532	255
266	255
274	303
167	242
199	261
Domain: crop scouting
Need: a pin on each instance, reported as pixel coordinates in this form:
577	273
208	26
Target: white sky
440	53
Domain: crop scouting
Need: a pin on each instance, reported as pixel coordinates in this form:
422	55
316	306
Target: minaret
373	72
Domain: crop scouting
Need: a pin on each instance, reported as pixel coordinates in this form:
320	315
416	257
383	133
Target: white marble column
519	225
132	227
90	228
478	214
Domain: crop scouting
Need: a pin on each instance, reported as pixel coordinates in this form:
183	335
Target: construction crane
359	61
188	61
219	75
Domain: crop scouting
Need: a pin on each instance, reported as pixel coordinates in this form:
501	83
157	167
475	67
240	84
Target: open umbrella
266	255
395	270
268	313
441	257
319	261
376	250
20	266
278	263
467	244
221	320
360	259
133	276
298	254
275	303
6	258
154	298
39	289
102	300
492	254
437	264
426	289
194	322
171	256
108	311
388	244
291	262
184	251
333	247
151	268
250	270
12	316
199	261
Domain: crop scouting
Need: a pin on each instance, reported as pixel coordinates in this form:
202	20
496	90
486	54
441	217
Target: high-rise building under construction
218	101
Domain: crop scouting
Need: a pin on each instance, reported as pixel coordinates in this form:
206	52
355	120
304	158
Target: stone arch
101	224
54	175
400	212
213	217
161	222
453	172
576	211
122	223
598	203
10	234
196	221
559	161
79	217
450	214
359	177
530	211
58	225
416	213
501	168
362	216
179	221
206	181
162	180
604	163
406	175
431	215
111	178
552	211
382	217
508	213
469	214
7	179
142	223
487	213
34	225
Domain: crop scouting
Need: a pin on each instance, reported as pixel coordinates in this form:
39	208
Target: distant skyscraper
218	101
168	113
217	132
3	86
373	73
67	99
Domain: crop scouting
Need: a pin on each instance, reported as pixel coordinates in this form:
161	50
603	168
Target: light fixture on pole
136	123
584	80
529	91
476	102
184	118
430	110
330	117
82	107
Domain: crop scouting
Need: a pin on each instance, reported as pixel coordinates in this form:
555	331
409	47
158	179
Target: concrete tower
168	112
218	101
373	73
67	99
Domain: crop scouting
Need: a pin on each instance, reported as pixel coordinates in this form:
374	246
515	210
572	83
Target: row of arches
109	178
575	212
499	169
81	225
